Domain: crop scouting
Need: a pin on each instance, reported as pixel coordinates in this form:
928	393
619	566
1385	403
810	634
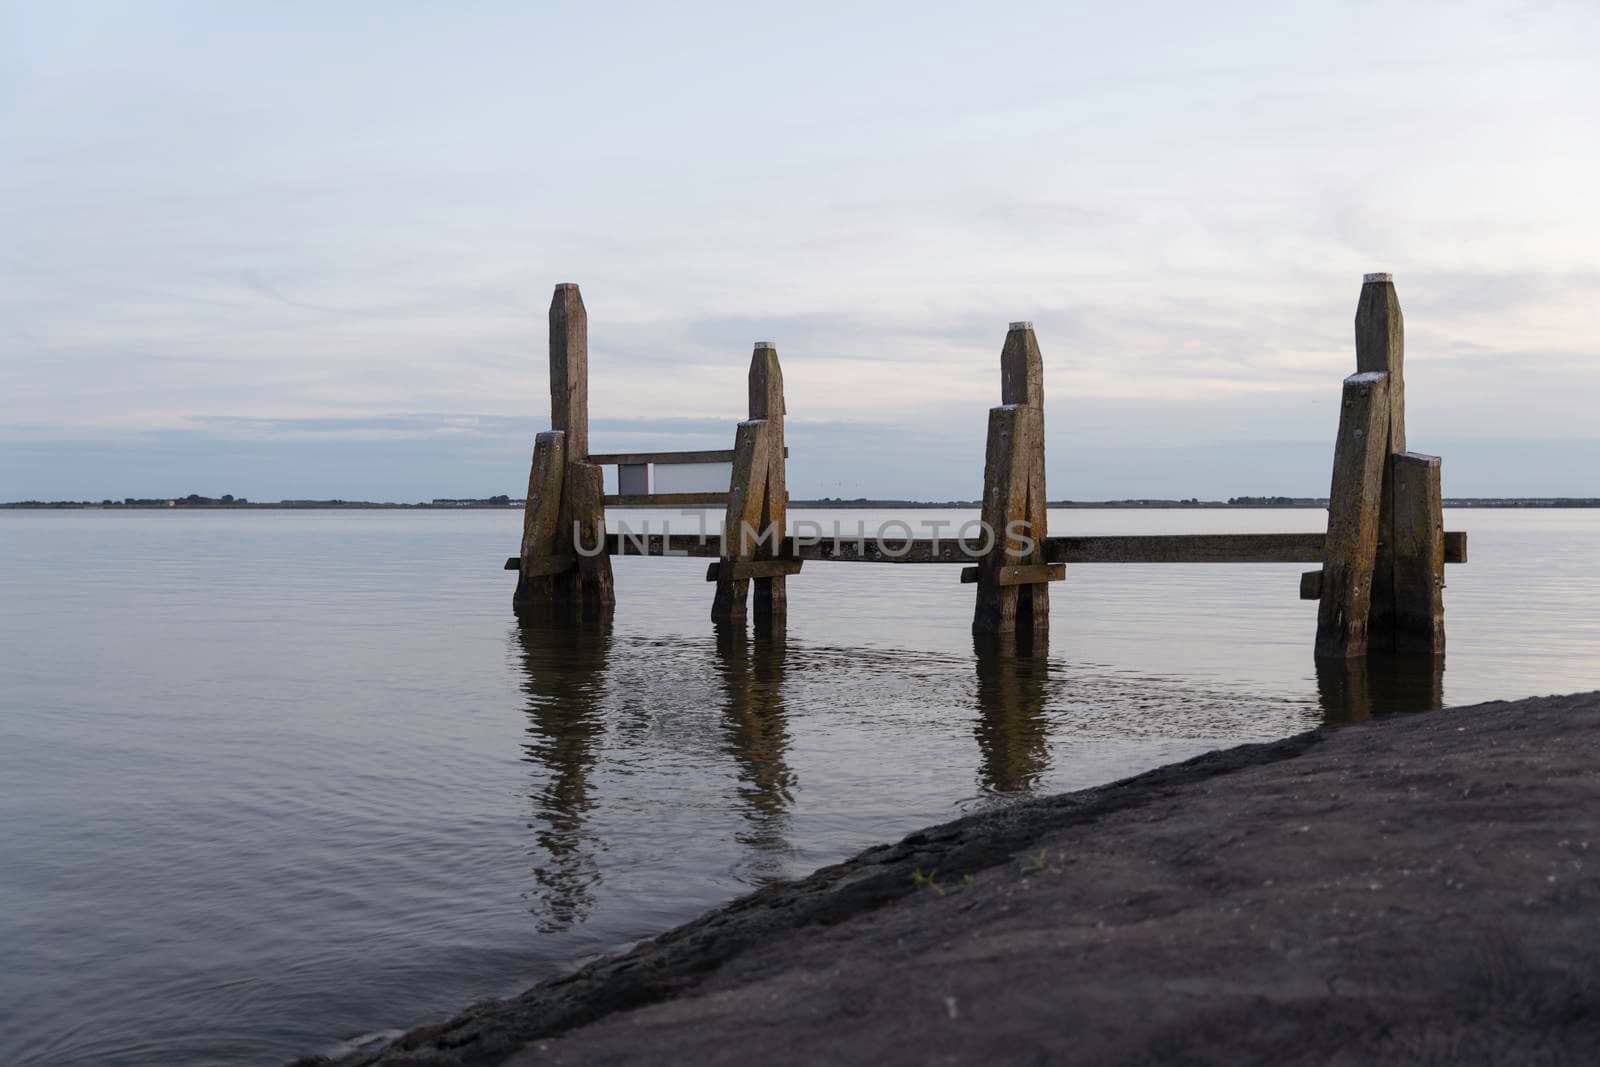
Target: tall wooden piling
1354	503
758	503
741	524
569	369
541	521
1405	605
1418	536
565	562
1381	348
1012	577
766	402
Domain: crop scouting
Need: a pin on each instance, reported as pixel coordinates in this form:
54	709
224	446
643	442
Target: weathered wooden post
1381	349
1012	576
1359	458
758	500
1396	585
766	402
564	558
1418	537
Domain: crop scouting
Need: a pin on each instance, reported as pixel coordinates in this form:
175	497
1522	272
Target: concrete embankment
1423	888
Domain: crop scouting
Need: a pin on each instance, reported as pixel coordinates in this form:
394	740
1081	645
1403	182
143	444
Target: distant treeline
228	500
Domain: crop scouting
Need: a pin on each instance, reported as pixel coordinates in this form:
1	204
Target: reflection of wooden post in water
563	667
756	735
1382	583
1013	735
1013	593
564	519
1357	688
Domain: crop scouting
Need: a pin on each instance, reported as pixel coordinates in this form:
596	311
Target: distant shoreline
825	503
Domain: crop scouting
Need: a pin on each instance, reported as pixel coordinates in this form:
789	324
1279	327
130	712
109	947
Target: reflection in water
1377	684
1013	734
756	735
564	668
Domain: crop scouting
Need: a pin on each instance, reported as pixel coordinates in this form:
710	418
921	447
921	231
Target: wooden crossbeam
1020	574
666	500
1137	548
741	570
710	455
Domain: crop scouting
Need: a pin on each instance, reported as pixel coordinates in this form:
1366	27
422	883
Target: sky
305	250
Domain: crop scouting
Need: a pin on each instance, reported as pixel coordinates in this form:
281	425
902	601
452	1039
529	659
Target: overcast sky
305	249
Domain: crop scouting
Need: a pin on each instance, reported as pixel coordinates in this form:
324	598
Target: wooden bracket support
735	571
1028	574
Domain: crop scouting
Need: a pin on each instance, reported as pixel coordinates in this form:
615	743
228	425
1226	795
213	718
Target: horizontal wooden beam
739	570
667	500
1173	548
1209	548
1022	574
713	455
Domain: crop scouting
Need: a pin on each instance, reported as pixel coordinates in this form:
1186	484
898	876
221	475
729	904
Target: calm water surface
274	780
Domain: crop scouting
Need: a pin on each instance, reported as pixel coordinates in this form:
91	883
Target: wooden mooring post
1012	576
758	502
1381	588
565	562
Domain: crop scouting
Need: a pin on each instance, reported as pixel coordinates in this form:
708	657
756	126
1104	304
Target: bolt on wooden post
564	547
1012	577
1382	582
